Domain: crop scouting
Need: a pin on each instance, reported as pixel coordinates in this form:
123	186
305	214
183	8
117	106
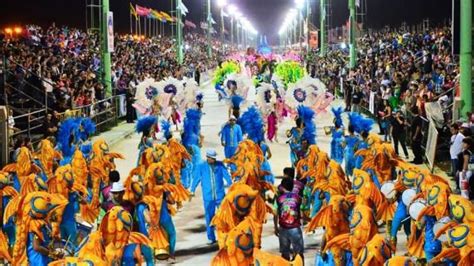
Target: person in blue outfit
266	164
337	151
68	225
351	143
141	219
231	136
295	134
145	126
211	174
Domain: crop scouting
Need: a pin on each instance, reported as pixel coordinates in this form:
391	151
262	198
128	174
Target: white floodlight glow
221	3
232	9
299	4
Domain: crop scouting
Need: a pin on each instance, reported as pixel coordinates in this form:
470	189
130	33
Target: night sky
266	15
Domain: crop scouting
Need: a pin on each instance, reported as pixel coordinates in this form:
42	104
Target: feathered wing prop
289	72
252	124
307	115
225	69
144	96
145	123
338	116
242	83
360	123
300	93
192	128
266	97
191	93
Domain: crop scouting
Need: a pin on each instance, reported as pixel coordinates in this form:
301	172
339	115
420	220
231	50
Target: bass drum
439	225
407	196
388	190
416	207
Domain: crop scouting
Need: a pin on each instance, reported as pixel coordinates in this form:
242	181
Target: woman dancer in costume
350	144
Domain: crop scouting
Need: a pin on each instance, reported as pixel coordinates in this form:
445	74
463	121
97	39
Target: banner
189	24
142	11
110	32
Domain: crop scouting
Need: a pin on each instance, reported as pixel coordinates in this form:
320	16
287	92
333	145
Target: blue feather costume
337	151
144	125
190	140
296	136
75	132
252	125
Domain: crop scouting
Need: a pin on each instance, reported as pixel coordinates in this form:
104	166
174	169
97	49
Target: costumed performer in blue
303	133
253	126
211	174
337	151
67	139
231	136
191	139
145	125
86	130
141	220
350	145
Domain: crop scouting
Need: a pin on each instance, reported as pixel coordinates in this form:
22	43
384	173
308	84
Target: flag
189	24
166	16
184	10
133	12
204	25
357	3
142	11
156	15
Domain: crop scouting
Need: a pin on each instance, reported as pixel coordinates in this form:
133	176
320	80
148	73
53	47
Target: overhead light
299	4
221	3
232	9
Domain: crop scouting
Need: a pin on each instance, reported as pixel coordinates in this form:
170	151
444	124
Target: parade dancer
231	136
350	144
211	174
144	126
337	151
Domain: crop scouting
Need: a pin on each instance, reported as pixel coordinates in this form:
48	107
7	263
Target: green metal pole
323	49
465	57
352	45
209	27
179	33
106	60
308	14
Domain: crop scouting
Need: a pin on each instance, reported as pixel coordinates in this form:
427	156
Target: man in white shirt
455	147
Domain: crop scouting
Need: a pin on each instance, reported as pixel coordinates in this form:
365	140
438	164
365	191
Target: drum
64	247
416	207
388	190
408	196
83	230
162	254
440	224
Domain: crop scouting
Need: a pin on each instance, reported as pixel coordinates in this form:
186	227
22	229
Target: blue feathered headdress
68	136
199	97
236	101
337	116
145	123
192	128
88	128
306	114
166	128
252	124
360	123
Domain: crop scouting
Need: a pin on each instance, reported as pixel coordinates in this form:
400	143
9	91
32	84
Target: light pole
221	4
322	29
179	33
106	60
465	57
352	48
299	6
209	27
232	12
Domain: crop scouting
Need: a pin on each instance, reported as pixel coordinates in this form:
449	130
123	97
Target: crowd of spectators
66	63
400	69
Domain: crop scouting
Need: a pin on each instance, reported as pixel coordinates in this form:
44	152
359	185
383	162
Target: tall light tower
221	4
299	6
106	60
352	37
209	27
465	57
232	10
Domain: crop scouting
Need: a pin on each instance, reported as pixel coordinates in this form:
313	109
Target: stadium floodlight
232	9
299	4
221	3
